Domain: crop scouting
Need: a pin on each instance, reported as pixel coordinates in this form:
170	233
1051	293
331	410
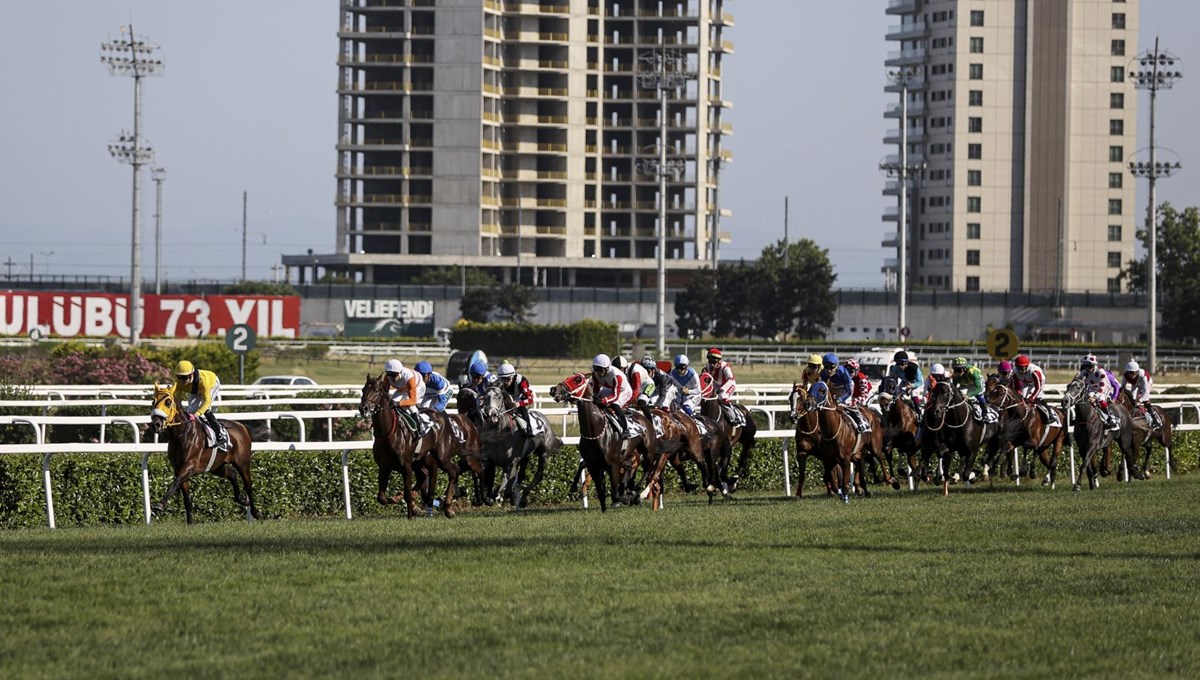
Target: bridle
946	410
797	415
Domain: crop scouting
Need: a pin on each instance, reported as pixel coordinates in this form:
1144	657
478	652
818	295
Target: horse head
573	388
1073	394
491	405
374	396
996	391
467	401
802	401
939	399
163	410
888	388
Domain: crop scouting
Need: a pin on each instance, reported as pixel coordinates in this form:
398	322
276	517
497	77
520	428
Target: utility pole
903	77
662	70
8	265
159	176
135	56
1154	71
785	232
243	237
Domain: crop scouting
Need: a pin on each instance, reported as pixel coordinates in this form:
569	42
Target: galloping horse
189	454
1144	435
1022	426
398	448
1093	435
678	439
804	412
948	418
900	424
507	447
601	447
711	408
844	445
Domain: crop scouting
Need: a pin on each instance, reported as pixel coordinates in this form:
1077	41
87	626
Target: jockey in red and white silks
1029	379
724	383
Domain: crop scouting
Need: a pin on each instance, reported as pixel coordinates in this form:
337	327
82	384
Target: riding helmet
1022	361
423	368
601	361
937	369
1132	367
852	365
830	359
1088	361
506	370
714	354
900	357
814	359
184	368
960	362
1006	367
681	360
478	369
392	366
620	362
648	363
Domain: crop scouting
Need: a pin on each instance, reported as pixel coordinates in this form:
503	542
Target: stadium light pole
662	70
1154	71
159	175
903	77
135	56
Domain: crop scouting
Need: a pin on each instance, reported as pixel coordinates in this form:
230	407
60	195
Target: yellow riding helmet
184	367
814	359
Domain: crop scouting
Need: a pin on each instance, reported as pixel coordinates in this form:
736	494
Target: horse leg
574	486
385	474
451	485
188	508
678	464
655	475
181	476
408	489
229	472
243	469
538	472
802	461
846	480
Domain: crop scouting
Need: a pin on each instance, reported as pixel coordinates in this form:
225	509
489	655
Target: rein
946	411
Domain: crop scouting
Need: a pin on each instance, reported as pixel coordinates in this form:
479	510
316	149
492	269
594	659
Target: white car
286	380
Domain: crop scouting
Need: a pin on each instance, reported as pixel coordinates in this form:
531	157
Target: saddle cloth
533	426
732	414
658	430
635	428
457	431
989	415
700	427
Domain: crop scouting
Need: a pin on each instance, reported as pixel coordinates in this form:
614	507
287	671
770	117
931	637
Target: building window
1116	100
975	204
1116	180
1118	48
975	98
975	151
974	125
1114	206
1114	284
973	283
976	17
976	72
972	258
1116	154
973	230
974	178
1117	74
1116	126
1114	259
1118	21
1114	232
976	45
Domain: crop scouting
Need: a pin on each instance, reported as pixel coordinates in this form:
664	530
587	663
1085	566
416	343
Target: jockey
969	379
689	385
1137	383
811	374
862	384
1004	373
660	380
908	376
481	377
724	385
610	389
1028	380
937	373
407	389
195	392
516	386
1097	385
639	380
841	386
437	388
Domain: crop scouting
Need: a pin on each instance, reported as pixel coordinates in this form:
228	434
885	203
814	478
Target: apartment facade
519	136
1024	120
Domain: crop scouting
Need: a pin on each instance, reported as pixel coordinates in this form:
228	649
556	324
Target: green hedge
583	338
106	489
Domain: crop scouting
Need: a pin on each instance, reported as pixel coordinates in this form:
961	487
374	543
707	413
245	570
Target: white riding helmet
937	369
506	370
620	362
601	361
681	360
393	366
1132	367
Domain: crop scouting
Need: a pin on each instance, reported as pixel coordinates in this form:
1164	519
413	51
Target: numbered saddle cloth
987	415
457	431
732	414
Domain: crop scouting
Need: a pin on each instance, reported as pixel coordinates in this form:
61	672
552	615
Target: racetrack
996	582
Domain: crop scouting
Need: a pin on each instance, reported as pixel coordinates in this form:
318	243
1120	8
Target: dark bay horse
1093	436
397	448
508	448
600	445
900	425
804	412
712	408
1144	435
949	419
844	446
683	438
189	455
1023	426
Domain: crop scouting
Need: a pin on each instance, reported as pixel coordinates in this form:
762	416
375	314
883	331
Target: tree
1177	250
259	288
696	307
796	297
514	302
453	276
477	304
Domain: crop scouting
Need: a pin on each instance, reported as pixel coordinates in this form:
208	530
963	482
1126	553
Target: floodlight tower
903	76
662	70
159	175
135	56
1154	71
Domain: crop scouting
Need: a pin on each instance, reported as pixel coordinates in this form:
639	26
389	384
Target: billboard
389	318
90	315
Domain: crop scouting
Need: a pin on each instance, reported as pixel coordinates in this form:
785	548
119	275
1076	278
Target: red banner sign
71	315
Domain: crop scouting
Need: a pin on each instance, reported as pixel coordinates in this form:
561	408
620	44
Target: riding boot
620	412
222	436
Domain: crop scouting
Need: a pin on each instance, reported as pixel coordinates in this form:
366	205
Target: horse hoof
895	485
449	513
724	489
157	507
710	489
1078	487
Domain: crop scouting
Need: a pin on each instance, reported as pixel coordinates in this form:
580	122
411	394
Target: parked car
290	380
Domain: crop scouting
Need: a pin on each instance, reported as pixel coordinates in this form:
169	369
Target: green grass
989	583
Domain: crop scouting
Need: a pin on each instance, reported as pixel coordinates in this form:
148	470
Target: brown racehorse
1023	426
189	455
683	438
600	445
461	452
1144	435
467	450
900	424
842	445
1093	436
949	420
712	408
398	449
806	414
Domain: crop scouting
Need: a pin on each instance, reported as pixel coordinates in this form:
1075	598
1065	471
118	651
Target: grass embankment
1008	582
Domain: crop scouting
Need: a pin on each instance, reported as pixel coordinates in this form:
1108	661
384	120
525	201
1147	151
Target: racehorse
712	408
507	447
1093	435
805	413
900	424
600	444
844	445
189	454
1144	435
1023	426
948	418
468	450
398	448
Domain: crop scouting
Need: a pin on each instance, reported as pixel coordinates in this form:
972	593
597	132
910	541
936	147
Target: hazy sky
248	103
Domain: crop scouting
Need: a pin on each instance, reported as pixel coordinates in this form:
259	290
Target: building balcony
896	7
909	57
891	239
723	18
914	136
906	31
891	214
916	84
915	110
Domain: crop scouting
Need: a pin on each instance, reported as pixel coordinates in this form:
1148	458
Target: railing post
346	482
787	471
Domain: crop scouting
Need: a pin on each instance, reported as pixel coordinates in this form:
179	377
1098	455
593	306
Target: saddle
987	415
1047	414
635	428
861	425
211	436
733	415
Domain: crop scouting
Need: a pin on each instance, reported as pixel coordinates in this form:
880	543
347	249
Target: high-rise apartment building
1025	119
513	135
